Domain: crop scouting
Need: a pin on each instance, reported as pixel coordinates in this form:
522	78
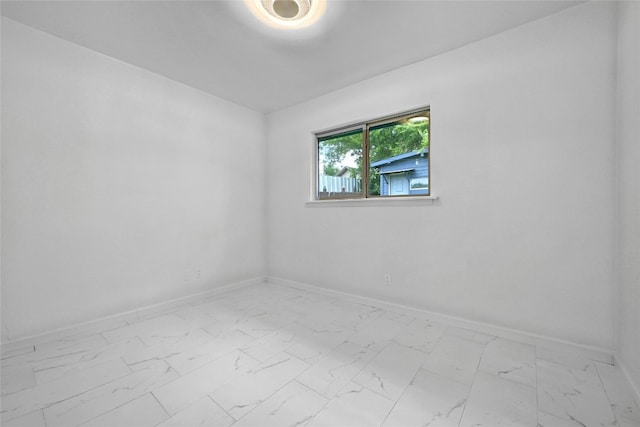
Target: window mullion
365	161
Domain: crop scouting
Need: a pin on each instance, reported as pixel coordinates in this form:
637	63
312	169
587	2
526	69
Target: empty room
320	213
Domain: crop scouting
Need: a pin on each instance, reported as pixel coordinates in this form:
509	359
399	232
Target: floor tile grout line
606	393
265	399
446	329
404	391
328	400
44	419
111	410
4	357
475	375
208	396
73	396
309	388
169	416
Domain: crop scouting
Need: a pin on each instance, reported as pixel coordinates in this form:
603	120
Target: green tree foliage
330	169
336	149
395	139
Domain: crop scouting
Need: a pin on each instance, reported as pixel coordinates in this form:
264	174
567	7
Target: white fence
338	184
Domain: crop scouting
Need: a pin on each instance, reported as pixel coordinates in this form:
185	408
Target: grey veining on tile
197	356
430	400
510	360
624	406
354	405
145	411
495	401
455	358
421	334
203	413
57	349
250	389
546	420
273	343
51	369
32	419
573	394
139	358
272	355
379	332
391	371
566	355
100	400
292	405
17	351
189	388
333	372
313	344
63	389
156	330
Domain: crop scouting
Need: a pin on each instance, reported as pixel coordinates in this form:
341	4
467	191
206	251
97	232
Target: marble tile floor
270	355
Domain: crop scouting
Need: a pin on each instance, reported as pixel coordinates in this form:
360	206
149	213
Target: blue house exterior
404	174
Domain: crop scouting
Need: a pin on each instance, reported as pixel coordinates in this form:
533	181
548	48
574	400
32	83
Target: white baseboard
592	353
121	319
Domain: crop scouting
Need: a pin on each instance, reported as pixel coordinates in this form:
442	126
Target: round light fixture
418	119
287	14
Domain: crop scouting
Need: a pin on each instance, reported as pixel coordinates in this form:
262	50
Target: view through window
380	158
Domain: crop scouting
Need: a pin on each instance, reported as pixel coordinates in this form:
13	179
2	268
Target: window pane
340	166
399	157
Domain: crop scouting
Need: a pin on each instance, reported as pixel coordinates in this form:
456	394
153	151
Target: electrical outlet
193	273
387	279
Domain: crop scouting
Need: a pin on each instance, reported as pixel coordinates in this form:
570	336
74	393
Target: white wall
523	125
628	203
116	184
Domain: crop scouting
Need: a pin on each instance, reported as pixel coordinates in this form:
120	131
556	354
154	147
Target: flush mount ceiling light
418	119
287	14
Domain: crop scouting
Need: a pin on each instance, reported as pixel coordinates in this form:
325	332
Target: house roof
343	171
398	157
403	170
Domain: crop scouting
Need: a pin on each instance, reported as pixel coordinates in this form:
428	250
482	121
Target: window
387	157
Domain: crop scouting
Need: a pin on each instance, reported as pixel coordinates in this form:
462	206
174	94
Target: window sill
378	201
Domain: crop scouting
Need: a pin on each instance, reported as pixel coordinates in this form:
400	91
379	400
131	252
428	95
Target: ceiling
220	48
